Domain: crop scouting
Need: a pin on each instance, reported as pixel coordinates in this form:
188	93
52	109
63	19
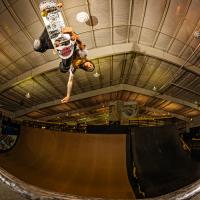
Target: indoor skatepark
129	128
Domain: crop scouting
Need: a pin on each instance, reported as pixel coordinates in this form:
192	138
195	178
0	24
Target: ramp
162	164
77	164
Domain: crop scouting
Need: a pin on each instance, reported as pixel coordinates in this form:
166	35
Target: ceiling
144	52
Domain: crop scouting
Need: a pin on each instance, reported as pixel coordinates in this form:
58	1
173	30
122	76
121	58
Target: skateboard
54	23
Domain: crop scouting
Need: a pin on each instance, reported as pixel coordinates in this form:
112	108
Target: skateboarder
76	61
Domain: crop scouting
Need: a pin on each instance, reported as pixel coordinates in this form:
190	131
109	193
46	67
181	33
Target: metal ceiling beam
85	109
104	52
186	89
150	109
195	122
30	74
25	118
73	98
116	88
146	50
6	113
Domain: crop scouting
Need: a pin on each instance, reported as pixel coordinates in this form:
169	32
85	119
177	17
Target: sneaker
37	45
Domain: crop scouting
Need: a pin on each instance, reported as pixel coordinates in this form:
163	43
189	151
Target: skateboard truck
45	11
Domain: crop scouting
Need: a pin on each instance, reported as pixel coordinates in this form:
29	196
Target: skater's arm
74	36
69	87
70	83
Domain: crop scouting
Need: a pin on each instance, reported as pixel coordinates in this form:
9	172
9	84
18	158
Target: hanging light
154	88
197	34
82	17
96	75
27	95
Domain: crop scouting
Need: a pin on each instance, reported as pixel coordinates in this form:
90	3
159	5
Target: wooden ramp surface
78	164
163	166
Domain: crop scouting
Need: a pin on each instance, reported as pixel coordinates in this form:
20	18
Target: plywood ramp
163	166
78	164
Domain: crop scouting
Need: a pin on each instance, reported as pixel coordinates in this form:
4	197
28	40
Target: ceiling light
27	95
96	75
82	17
197	34
154	88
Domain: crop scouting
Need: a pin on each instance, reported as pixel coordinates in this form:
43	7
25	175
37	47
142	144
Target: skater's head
89	66
82	46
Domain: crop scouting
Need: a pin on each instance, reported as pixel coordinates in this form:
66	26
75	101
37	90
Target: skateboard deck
54	23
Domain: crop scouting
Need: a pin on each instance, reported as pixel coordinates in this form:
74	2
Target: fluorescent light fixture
82	17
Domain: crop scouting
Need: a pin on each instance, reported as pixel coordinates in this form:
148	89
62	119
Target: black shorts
65	65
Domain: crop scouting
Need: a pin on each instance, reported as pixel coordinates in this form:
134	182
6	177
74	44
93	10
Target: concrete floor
7	194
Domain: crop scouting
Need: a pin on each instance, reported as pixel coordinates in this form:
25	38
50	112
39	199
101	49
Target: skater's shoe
41	45
37	45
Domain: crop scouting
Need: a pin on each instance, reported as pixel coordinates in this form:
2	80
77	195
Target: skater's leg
47	41
69	86
43	43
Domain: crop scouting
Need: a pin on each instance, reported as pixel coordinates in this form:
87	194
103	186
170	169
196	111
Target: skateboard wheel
44	13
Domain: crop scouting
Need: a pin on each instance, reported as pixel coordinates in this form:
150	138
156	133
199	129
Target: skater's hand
60	5
74	36
65	99
66	30
57	43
